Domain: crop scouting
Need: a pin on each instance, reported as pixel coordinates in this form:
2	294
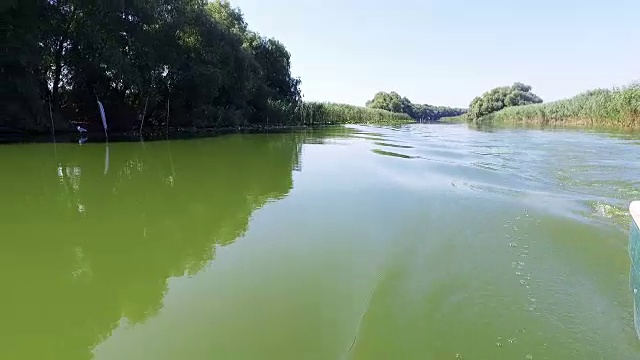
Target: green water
415	242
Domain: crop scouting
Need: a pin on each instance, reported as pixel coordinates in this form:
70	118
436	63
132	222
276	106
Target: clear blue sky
445	52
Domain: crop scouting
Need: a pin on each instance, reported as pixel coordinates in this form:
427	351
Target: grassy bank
281	116
454	119
602	108
349	114
319	113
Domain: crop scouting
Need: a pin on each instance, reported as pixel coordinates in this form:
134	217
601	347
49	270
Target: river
410	242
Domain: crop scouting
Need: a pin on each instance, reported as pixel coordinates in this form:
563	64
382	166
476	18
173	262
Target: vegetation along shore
154	66
187	65
420	112
516	105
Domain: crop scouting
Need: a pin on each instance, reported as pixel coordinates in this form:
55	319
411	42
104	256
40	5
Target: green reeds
606	108
316	113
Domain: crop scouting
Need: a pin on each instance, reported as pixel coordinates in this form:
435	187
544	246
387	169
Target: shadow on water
94	232
392	154
394	145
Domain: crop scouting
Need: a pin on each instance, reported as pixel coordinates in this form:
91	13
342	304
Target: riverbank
213	72
280	117
617	108
150	134
172	133
310	113
454	119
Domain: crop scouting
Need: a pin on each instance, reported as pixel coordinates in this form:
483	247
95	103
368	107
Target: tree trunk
55	91
57	74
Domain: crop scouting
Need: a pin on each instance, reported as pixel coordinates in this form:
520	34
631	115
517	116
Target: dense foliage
190	63
398	104
618	107
501	97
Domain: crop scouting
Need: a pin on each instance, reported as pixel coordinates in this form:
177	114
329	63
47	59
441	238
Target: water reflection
634	251
366	243
96	245
106	158
69	178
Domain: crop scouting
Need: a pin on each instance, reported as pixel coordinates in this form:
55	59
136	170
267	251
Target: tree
22	81
192	61
395	103
498	98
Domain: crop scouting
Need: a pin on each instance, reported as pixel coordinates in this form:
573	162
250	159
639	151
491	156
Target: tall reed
615	108
317	113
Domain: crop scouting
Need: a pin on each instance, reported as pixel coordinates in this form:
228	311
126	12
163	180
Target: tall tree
192	61
22	79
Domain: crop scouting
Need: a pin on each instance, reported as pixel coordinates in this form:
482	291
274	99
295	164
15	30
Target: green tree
389	101
22	81
191	63
395	103
501	97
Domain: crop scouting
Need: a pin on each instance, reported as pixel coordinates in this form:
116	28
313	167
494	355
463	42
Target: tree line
184	63
191	61
392	101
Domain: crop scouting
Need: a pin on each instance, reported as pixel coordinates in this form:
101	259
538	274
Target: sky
446	52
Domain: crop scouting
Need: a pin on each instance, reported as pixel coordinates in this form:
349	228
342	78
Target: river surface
412	242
